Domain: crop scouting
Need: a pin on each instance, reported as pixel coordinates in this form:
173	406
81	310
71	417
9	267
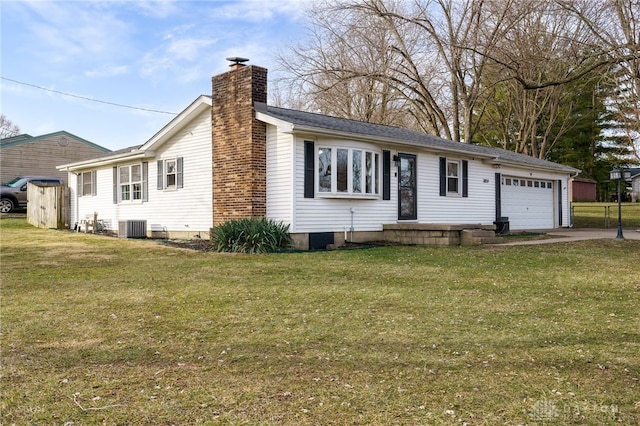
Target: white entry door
528	203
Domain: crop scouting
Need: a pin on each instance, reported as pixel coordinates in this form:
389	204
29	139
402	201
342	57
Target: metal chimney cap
237	60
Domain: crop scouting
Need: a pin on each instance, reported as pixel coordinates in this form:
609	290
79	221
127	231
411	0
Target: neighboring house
635	185
230	156
26	155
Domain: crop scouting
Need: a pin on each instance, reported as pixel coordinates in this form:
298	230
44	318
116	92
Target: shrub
251	235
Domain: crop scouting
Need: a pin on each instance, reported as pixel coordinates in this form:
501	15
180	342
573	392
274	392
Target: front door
407	194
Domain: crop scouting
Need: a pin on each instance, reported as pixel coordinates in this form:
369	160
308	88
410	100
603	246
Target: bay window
348	171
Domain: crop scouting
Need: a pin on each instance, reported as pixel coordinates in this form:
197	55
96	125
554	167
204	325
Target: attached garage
528	203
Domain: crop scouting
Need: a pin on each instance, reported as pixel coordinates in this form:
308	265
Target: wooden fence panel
48	205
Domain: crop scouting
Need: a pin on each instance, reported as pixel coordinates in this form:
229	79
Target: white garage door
527	202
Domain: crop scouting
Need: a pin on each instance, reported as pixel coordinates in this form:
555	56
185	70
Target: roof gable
179	122
147	149
26	138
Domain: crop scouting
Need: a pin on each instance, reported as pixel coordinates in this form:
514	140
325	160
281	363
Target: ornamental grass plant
251	235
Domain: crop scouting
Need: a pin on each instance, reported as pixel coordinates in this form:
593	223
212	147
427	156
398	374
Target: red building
583	189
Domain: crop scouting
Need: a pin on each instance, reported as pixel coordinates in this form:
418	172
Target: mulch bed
197	244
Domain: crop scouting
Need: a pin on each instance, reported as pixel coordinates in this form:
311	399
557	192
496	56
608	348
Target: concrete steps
476	237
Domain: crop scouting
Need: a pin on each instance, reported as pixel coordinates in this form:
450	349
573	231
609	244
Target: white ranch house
230	155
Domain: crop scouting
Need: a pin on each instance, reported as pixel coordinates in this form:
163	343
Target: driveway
577	234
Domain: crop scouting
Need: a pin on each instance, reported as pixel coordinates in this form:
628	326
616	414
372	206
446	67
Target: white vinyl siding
185	210
334	214
477	208
280	152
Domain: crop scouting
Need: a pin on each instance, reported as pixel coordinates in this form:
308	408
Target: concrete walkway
577	234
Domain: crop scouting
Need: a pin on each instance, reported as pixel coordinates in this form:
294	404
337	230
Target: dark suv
14	192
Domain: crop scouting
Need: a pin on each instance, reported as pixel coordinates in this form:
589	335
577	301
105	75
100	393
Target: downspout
353	210
77	205
570	197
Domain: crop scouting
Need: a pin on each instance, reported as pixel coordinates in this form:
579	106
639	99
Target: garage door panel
528	203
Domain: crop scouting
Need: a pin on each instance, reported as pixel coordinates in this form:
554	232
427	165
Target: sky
149	55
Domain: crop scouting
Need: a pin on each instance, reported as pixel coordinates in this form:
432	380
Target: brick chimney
239	143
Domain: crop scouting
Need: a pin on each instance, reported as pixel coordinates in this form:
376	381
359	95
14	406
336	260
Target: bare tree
452	68
623	34
521	111
395	58
334	71
7	128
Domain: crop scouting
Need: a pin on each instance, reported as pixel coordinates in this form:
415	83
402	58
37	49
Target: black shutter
465	178
443	176
145	181
386	175
115	185
179	179
498	196
309	169
559	202
160	183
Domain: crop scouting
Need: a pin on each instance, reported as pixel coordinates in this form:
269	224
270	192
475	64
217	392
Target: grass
594	215
103	330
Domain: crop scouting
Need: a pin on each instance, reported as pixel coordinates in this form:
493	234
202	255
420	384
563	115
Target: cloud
108	71
75	32
176	31
188	49
157	9
259	10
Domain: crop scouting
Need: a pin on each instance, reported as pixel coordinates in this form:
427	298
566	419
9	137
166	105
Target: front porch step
476	237
439	234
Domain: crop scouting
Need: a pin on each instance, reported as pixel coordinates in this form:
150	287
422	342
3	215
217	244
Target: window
130	182
453	177
348	171
170	174
87	183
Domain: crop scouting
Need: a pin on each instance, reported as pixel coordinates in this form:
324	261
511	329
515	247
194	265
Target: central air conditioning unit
132	229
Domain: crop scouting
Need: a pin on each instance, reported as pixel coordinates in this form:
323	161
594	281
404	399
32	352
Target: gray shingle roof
309	121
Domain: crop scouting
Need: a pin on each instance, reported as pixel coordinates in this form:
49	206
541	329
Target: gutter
497	161
133	155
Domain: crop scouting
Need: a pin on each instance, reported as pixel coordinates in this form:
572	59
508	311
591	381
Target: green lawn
99	330
594	215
